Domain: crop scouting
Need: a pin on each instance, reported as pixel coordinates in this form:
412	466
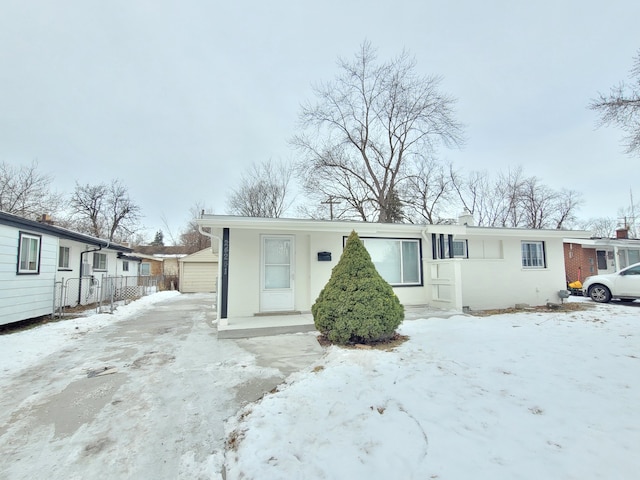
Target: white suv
624	285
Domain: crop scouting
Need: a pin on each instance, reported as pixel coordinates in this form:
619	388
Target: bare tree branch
621	107
368	130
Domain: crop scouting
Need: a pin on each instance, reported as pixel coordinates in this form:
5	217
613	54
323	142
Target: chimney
622	233
46	218
465	218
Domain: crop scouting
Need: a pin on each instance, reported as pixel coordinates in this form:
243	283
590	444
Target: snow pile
526	395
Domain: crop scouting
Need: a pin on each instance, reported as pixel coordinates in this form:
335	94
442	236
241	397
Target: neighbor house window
29	253
125	266
533	255
397	260
145	269
63	257
99	261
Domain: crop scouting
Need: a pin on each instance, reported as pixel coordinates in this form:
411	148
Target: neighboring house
279	265
593	256
161	260
199	272
42	265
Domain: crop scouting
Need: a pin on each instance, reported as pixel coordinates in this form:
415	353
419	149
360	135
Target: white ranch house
37	259
276	266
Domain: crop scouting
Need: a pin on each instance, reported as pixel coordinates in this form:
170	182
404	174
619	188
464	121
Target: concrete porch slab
267	325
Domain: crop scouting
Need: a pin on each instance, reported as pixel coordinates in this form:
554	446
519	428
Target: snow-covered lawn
515	396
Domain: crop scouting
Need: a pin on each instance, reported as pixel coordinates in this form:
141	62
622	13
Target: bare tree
26	192
514	200
621	107
263	191
369	127
601	227
105	211
427	191
191	236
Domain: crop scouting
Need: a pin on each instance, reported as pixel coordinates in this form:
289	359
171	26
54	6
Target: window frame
64	256
541	263
400	240
125	265
142	273
34	237
97	264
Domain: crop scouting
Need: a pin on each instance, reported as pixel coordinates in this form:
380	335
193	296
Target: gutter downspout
221	316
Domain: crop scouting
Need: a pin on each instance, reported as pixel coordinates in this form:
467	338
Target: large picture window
29	254
397	260
533	255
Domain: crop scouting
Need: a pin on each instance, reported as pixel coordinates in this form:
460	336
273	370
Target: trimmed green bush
357	305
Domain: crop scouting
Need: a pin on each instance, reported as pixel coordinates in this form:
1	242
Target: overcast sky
178	98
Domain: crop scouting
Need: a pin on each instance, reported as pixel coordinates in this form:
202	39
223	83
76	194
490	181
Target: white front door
277	282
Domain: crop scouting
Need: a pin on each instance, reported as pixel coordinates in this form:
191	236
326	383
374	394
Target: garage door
199	277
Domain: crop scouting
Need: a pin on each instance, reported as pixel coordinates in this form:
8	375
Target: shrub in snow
357	304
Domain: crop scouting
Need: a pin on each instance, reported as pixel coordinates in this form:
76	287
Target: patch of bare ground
385	345
550	307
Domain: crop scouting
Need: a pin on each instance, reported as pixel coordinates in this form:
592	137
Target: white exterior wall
26	296
493	276
310	275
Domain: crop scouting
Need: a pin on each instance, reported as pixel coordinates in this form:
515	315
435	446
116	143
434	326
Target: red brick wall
579	262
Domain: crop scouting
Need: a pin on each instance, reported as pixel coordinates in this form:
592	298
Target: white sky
178	98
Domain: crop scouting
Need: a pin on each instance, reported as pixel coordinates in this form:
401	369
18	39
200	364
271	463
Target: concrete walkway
146	397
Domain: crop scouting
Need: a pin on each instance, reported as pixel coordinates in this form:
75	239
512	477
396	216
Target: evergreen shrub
357	305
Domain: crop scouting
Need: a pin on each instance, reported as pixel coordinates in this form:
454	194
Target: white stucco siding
489	283
25	296
244	273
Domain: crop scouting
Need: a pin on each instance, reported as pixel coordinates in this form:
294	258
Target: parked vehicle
623	285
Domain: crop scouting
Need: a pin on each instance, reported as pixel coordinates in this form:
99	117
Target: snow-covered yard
517	396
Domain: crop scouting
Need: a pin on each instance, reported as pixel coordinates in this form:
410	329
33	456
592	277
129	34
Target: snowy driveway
157	411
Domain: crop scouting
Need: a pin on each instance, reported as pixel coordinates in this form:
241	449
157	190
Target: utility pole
331	202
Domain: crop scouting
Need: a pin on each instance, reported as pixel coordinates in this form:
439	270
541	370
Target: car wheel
600	294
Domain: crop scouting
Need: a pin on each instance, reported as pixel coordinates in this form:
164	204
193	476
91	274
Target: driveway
143	397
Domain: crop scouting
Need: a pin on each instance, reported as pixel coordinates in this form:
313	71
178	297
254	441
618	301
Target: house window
125	266
533	255
145	269
29	253
460	249
99	261
397	260
63	257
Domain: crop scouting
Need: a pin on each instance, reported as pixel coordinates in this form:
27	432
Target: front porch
266	325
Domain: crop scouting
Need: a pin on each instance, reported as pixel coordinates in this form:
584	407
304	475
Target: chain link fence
104	293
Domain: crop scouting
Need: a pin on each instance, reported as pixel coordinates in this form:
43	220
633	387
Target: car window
633	271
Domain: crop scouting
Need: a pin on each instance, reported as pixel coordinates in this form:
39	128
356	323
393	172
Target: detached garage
198	272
